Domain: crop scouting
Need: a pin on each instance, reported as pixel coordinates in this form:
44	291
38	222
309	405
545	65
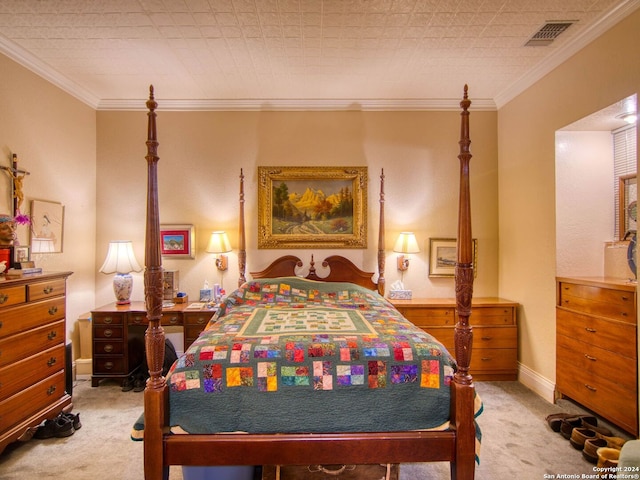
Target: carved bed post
381	253
155	391
463	391
242	246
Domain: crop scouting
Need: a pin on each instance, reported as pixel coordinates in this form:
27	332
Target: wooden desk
495	331
118	335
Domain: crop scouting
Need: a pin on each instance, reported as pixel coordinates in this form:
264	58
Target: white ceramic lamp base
122	286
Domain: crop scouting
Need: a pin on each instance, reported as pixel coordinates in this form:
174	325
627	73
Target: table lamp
121	261
405	245
219	244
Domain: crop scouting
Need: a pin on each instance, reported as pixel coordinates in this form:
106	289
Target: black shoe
63	426
139	384
47	430
127	383
75	420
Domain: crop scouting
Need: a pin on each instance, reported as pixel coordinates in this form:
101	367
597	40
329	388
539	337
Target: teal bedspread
293	355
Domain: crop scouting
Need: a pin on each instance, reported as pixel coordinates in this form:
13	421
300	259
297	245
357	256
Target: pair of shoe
590	441
64	425
608	458
134	382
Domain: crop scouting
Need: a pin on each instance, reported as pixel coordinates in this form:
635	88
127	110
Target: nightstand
495	331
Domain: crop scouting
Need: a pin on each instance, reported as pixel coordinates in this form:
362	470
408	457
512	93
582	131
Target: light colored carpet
516	441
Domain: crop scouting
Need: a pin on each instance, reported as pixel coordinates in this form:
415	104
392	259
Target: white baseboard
536	382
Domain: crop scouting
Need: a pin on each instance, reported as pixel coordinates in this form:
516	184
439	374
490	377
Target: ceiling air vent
548	33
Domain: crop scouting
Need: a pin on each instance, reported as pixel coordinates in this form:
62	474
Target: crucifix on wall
17	177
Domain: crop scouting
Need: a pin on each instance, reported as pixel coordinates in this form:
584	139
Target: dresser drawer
107	318
494	359
25	344
108	332
24	317
12	295
24	373
595	360
29	401
167	319
106	347
607	397
422	316
111	365
483	337
198	318
492	316
606	334
605	302
48	289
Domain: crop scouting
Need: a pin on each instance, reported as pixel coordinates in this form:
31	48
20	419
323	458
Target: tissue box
184	299
400	294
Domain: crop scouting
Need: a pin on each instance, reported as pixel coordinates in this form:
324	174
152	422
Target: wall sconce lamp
219	243
405	244
121	261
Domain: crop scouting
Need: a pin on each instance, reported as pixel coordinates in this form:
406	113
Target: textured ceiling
294	54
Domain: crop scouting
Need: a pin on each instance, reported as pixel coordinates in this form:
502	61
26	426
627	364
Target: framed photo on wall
443	255
628	207
47	222
312	207
177	241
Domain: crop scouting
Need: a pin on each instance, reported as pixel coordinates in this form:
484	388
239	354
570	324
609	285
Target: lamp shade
406	243
219	243
120	258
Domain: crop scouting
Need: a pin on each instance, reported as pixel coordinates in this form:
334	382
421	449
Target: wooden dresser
32	353
596	347
118	335
495	331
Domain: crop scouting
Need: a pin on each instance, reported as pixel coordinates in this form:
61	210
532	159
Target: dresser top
32	277
606	282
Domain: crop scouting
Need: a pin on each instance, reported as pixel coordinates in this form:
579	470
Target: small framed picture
21	254
177	241
443	255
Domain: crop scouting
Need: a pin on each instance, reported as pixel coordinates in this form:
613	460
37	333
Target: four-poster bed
303	444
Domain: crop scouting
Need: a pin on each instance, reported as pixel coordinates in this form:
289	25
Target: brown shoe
580	435
612	442
590	450
587	422
555	420
608	457
568	424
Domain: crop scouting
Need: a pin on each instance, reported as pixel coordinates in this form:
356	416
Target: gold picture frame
443	255
312	207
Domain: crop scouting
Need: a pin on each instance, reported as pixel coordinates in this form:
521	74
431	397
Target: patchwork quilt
295	355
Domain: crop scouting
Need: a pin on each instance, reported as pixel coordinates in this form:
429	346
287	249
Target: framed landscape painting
443	255
177	241
312	207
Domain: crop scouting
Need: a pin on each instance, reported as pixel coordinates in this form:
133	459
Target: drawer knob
485	359
51	362
624	297
3	298
108	320
486	338
173	320
108	333
51	390
47	290
53	334
590	330
108	365
108	348
589	357
201	320
53	310
589	387
0	324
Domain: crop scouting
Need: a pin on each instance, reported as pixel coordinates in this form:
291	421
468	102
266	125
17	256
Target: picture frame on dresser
443	254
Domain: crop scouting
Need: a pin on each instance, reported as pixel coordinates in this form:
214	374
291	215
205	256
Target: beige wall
54	136
201	154
597	76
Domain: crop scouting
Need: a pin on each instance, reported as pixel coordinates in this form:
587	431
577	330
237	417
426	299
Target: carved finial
151	103
465	103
